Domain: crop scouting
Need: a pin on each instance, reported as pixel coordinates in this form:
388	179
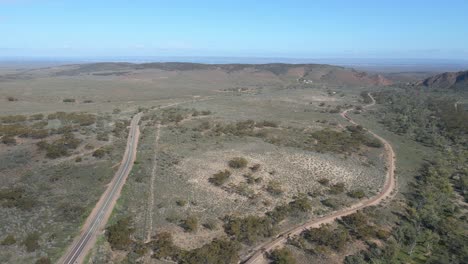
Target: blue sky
293	28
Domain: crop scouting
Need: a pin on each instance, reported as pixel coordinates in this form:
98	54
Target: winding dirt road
257	254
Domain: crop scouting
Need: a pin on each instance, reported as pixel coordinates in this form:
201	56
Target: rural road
257	254
103	209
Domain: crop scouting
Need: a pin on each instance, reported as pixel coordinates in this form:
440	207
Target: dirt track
257	254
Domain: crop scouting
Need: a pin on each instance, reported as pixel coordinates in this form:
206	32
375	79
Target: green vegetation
331	202
337	188
220	177
69	100
60	147
326	237
238	163
274	187
249	229
81	119
218	251
190	224
365	97
119	234
282	256
181	202
8	140
44	260
16	198
8	241
13	119
357	194
101	152
31	242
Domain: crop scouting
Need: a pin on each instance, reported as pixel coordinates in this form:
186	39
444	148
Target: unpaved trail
149	212
257	254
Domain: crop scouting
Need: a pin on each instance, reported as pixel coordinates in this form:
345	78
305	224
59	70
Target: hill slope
447	80
312	72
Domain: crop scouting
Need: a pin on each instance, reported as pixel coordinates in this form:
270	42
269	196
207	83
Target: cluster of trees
431	226
60	147
250	229
82	119
17	198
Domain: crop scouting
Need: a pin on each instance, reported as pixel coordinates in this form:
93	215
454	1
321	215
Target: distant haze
379	65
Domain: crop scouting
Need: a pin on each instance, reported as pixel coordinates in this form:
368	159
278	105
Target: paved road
257	255
100	214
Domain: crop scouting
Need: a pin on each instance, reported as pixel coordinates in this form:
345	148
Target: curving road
257	254
101	212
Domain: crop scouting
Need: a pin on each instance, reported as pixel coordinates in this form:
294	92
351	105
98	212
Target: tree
282	256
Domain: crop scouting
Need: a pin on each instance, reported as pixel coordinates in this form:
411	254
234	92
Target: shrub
357	194
300	204
190	224
332	203
255	167
324	181
13	119
327	236
100	153
43	260
39	134
274	187
267	124
282	256
181	202
69	100
8	140
217	251
8	240
16	197
11	99
102	136
36	117
87	101
163	246
237	163
249	229
211	225
118	234
220	178
78	159
337	188
31	242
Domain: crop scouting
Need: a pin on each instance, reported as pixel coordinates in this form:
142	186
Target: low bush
220	177
31	242
43	260
8	241
190	224
357	194
238	163
337	188
118	234
282	256
274	187
332	203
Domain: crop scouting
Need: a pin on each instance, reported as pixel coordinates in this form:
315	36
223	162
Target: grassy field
289	133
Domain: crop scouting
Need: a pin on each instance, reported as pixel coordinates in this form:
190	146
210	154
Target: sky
256	28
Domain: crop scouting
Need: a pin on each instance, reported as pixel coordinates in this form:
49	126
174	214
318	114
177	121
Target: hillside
447	80
317	73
